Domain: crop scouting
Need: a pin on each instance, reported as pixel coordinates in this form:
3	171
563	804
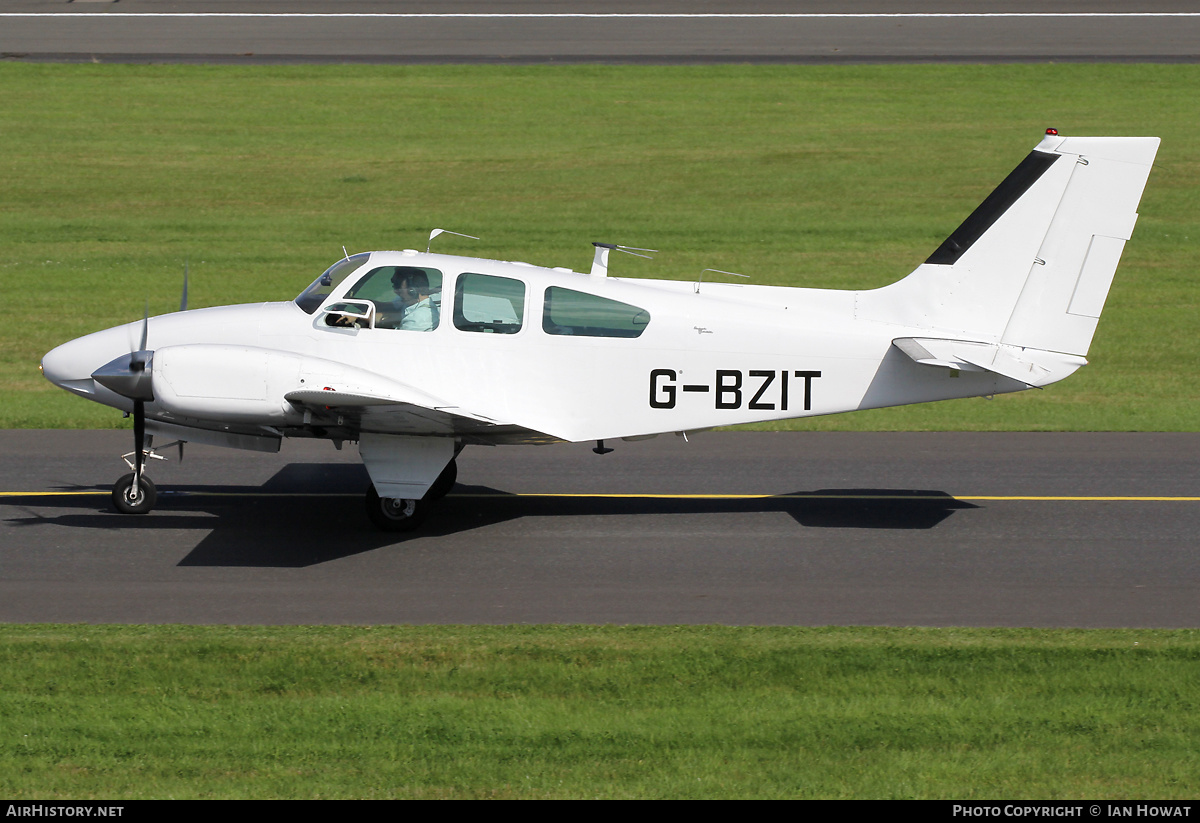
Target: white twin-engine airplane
415	356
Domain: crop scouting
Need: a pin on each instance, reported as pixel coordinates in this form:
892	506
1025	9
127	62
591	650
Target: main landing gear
135	493
399	514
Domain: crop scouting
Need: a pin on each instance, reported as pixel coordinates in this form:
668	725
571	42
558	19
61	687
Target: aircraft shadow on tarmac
309	514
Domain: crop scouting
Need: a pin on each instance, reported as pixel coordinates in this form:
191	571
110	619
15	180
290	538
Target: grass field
842	177
576	711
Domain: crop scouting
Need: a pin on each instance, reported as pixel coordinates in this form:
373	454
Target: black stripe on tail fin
991	209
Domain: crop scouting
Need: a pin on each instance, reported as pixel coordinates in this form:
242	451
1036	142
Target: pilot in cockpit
412	291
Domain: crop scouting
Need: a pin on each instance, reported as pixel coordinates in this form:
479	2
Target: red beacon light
1052	132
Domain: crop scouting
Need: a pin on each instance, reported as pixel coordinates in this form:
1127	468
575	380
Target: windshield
311	298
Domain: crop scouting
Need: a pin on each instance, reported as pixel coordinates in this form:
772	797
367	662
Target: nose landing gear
130	497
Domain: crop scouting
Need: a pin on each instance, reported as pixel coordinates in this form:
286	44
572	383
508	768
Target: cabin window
587	315
405	297
311	298
484	303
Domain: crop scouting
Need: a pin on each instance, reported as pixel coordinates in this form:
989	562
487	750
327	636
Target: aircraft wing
394	415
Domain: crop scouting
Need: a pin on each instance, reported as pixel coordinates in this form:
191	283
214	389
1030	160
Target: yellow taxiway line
641	496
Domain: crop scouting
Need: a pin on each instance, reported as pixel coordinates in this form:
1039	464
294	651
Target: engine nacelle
233	383
247	383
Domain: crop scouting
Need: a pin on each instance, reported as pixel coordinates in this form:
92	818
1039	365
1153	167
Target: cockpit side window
405	297
571	312
311	298
485	303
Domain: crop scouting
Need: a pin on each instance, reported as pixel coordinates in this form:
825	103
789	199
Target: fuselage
552	353
415	356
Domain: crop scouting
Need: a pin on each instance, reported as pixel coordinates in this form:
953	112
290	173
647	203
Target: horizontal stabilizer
1033	367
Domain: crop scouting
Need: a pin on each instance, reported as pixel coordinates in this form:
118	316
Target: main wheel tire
444	483
127	503
395	514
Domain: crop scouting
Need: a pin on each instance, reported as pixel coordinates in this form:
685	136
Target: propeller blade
145	327
183	300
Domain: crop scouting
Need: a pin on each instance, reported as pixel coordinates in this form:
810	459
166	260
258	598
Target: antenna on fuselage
345	254
718	271
600	261
436	232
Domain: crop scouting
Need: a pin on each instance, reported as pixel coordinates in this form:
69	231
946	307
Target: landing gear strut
127	501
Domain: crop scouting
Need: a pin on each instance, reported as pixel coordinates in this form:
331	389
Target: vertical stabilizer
1030	267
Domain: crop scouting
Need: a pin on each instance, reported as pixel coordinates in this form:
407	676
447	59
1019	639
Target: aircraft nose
70	366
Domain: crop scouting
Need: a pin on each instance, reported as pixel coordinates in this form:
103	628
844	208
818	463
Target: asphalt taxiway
949	529
617	31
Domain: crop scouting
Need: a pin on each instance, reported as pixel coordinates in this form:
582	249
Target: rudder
1069	280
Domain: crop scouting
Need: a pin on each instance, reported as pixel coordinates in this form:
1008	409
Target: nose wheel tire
395	514
127	502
